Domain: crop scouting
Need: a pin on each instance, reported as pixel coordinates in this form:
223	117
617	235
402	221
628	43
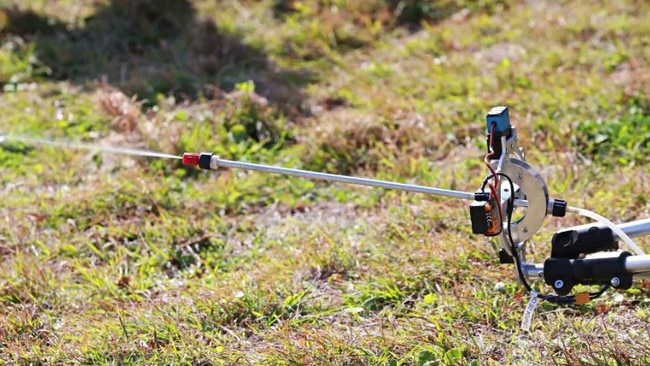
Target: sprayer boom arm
210	161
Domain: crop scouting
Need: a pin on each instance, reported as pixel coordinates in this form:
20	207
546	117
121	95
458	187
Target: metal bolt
525	229
615	281
520	176
558	284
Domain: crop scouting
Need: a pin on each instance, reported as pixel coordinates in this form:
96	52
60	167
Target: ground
118	260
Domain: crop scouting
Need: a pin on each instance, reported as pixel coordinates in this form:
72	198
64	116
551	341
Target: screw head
615	281
520	176
558	284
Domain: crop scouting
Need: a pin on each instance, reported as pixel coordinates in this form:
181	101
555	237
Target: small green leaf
429	299
454	354
426	358
246	86
68	251
182	115
292	300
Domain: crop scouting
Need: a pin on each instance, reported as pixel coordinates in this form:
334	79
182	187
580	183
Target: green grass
118	260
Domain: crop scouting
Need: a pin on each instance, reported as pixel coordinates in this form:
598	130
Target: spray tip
191	159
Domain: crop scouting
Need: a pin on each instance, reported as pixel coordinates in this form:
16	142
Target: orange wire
498	207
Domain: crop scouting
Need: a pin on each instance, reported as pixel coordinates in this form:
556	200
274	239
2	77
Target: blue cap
500	117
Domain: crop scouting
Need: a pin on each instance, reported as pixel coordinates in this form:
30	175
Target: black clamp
564	273
572	244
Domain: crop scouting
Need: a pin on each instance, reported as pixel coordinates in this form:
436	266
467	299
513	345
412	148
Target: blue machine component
499	116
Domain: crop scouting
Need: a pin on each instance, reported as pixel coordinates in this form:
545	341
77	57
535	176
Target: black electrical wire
551	298
509	211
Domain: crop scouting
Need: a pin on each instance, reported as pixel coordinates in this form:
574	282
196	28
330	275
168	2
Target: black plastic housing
478	217
572	243
204	160
563	273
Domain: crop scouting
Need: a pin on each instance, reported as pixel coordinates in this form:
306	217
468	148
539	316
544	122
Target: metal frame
528	189
635	264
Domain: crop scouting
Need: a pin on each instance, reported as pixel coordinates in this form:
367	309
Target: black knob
204	160
559	208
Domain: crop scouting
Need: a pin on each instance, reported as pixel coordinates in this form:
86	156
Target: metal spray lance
585	254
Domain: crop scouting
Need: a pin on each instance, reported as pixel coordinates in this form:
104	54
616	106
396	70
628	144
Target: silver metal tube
216	162
632	229
639	265
533	271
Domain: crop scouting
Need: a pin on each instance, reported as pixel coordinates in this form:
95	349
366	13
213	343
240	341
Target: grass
118	260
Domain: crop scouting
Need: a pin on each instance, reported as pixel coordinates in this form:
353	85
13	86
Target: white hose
621	234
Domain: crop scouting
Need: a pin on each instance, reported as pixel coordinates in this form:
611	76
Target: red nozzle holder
191	159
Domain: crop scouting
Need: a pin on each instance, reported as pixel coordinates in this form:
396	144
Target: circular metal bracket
532	187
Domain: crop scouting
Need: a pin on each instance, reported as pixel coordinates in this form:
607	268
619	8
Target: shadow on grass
153	47
409	14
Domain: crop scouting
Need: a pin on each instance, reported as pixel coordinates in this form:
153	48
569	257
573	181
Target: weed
625	140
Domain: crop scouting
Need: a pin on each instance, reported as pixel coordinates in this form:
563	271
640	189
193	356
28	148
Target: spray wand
206	160
580	255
